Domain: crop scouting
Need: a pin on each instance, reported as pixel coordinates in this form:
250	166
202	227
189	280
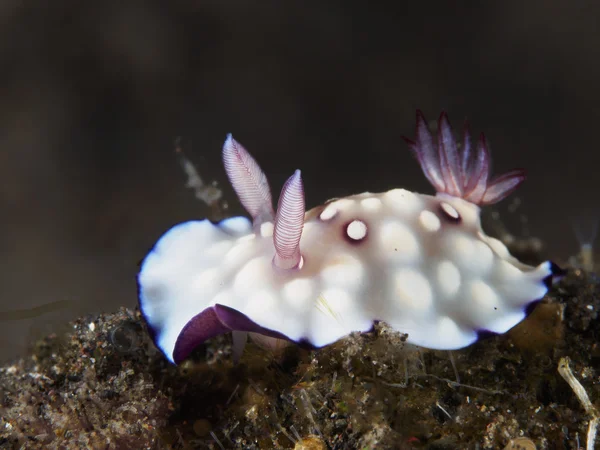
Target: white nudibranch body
420	263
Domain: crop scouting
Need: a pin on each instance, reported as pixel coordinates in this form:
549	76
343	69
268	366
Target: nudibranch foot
420	263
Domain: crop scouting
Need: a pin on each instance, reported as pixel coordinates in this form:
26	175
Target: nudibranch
420	263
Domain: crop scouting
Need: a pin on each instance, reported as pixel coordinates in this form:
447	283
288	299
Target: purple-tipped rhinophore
288	223
248	181
460	172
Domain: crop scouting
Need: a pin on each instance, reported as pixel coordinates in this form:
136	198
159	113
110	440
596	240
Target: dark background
93	94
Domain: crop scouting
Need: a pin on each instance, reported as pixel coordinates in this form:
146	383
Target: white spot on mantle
357	230
450	210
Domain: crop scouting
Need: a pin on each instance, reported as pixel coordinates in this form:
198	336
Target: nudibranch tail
288	223
457	171
248	181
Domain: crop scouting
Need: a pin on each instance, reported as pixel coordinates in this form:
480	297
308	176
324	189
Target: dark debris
104	385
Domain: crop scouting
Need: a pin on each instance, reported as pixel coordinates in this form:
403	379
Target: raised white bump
371	204
413	290
241	251
343	270
484	295
461	247
449	278
263	304
449	330
483	257
337	300
398	242
402	200
298	293
205	280
255	275
498	247
328	213
429	221
342	203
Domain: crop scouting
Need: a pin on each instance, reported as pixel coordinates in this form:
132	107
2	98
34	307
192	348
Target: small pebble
520	443
202	427
310	443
